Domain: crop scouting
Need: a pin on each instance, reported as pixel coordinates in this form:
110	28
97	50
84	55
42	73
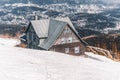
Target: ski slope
27	64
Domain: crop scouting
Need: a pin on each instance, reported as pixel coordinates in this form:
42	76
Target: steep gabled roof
55	29
66	19
41	27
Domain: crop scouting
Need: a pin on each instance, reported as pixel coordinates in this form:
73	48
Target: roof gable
55	28
66	19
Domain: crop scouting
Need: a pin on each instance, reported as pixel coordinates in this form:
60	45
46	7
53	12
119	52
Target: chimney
36	17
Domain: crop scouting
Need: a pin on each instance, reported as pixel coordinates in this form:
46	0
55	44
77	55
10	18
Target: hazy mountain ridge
52	1
92	16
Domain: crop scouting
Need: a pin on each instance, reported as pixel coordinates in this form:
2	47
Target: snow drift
27	64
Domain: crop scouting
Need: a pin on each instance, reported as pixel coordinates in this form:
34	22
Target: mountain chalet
56	34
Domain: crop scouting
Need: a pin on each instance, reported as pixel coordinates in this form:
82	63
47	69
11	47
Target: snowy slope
26	64
9	42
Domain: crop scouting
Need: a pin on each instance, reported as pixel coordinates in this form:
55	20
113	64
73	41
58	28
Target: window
66	30
76	50
70	40
66	50
63	40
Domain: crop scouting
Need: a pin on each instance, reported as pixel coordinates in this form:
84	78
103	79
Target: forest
109	42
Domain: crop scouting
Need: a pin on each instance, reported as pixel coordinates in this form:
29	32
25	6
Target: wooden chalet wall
71	46
68	40
32	38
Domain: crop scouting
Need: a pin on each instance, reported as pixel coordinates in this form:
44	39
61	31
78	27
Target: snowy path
26	64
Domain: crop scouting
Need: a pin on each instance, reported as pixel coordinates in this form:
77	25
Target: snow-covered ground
26	64
9	42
